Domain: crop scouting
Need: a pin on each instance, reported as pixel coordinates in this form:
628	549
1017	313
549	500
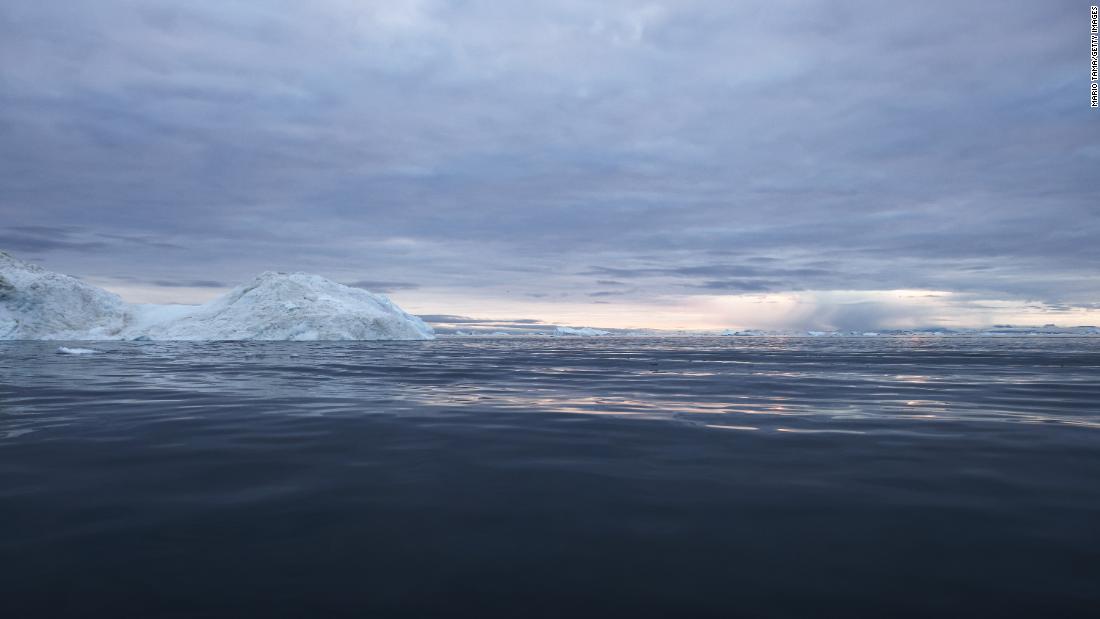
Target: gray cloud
382	286
191	283
41	238
710	270
743	285
36	244
449	319
448	324
697	147
140	240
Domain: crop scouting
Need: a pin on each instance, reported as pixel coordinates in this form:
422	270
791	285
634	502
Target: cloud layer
458	153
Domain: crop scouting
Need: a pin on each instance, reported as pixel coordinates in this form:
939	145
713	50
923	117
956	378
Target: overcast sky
681	164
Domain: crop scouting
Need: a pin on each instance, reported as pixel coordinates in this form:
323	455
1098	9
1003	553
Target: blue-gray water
715	477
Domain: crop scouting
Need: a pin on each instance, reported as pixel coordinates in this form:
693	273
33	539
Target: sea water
551	477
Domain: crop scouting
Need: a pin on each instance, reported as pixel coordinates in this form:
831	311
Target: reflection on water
552	477
864	385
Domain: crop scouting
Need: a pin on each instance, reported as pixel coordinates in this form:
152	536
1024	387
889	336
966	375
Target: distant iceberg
36	304
581	331
744	333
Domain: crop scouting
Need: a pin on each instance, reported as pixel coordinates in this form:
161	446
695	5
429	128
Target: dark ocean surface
554	477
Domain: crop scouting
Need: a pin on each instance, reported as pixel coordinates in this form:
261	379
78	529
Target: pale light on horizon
862	310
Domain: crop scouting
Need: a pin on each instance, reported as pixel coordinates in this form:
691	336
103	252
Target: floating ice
582	331
36	304
289	306
76	351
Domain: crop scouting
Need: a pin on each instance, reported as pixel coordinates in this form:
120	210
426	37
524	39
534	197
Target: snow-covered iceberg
38	304
293	306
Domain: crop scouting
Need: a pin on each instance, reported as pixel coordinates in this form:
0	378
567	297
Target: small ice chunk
76	351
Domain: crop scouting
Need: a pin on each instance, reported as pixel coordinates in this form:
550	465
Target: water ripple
783	384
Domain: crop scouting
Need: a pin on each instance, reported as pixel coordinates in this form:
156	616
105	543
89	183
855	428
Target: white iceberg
580	331
291	306
37	304
76	351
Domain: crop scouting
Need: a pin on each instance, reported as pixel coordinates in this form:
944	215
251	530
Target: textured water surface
552	477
